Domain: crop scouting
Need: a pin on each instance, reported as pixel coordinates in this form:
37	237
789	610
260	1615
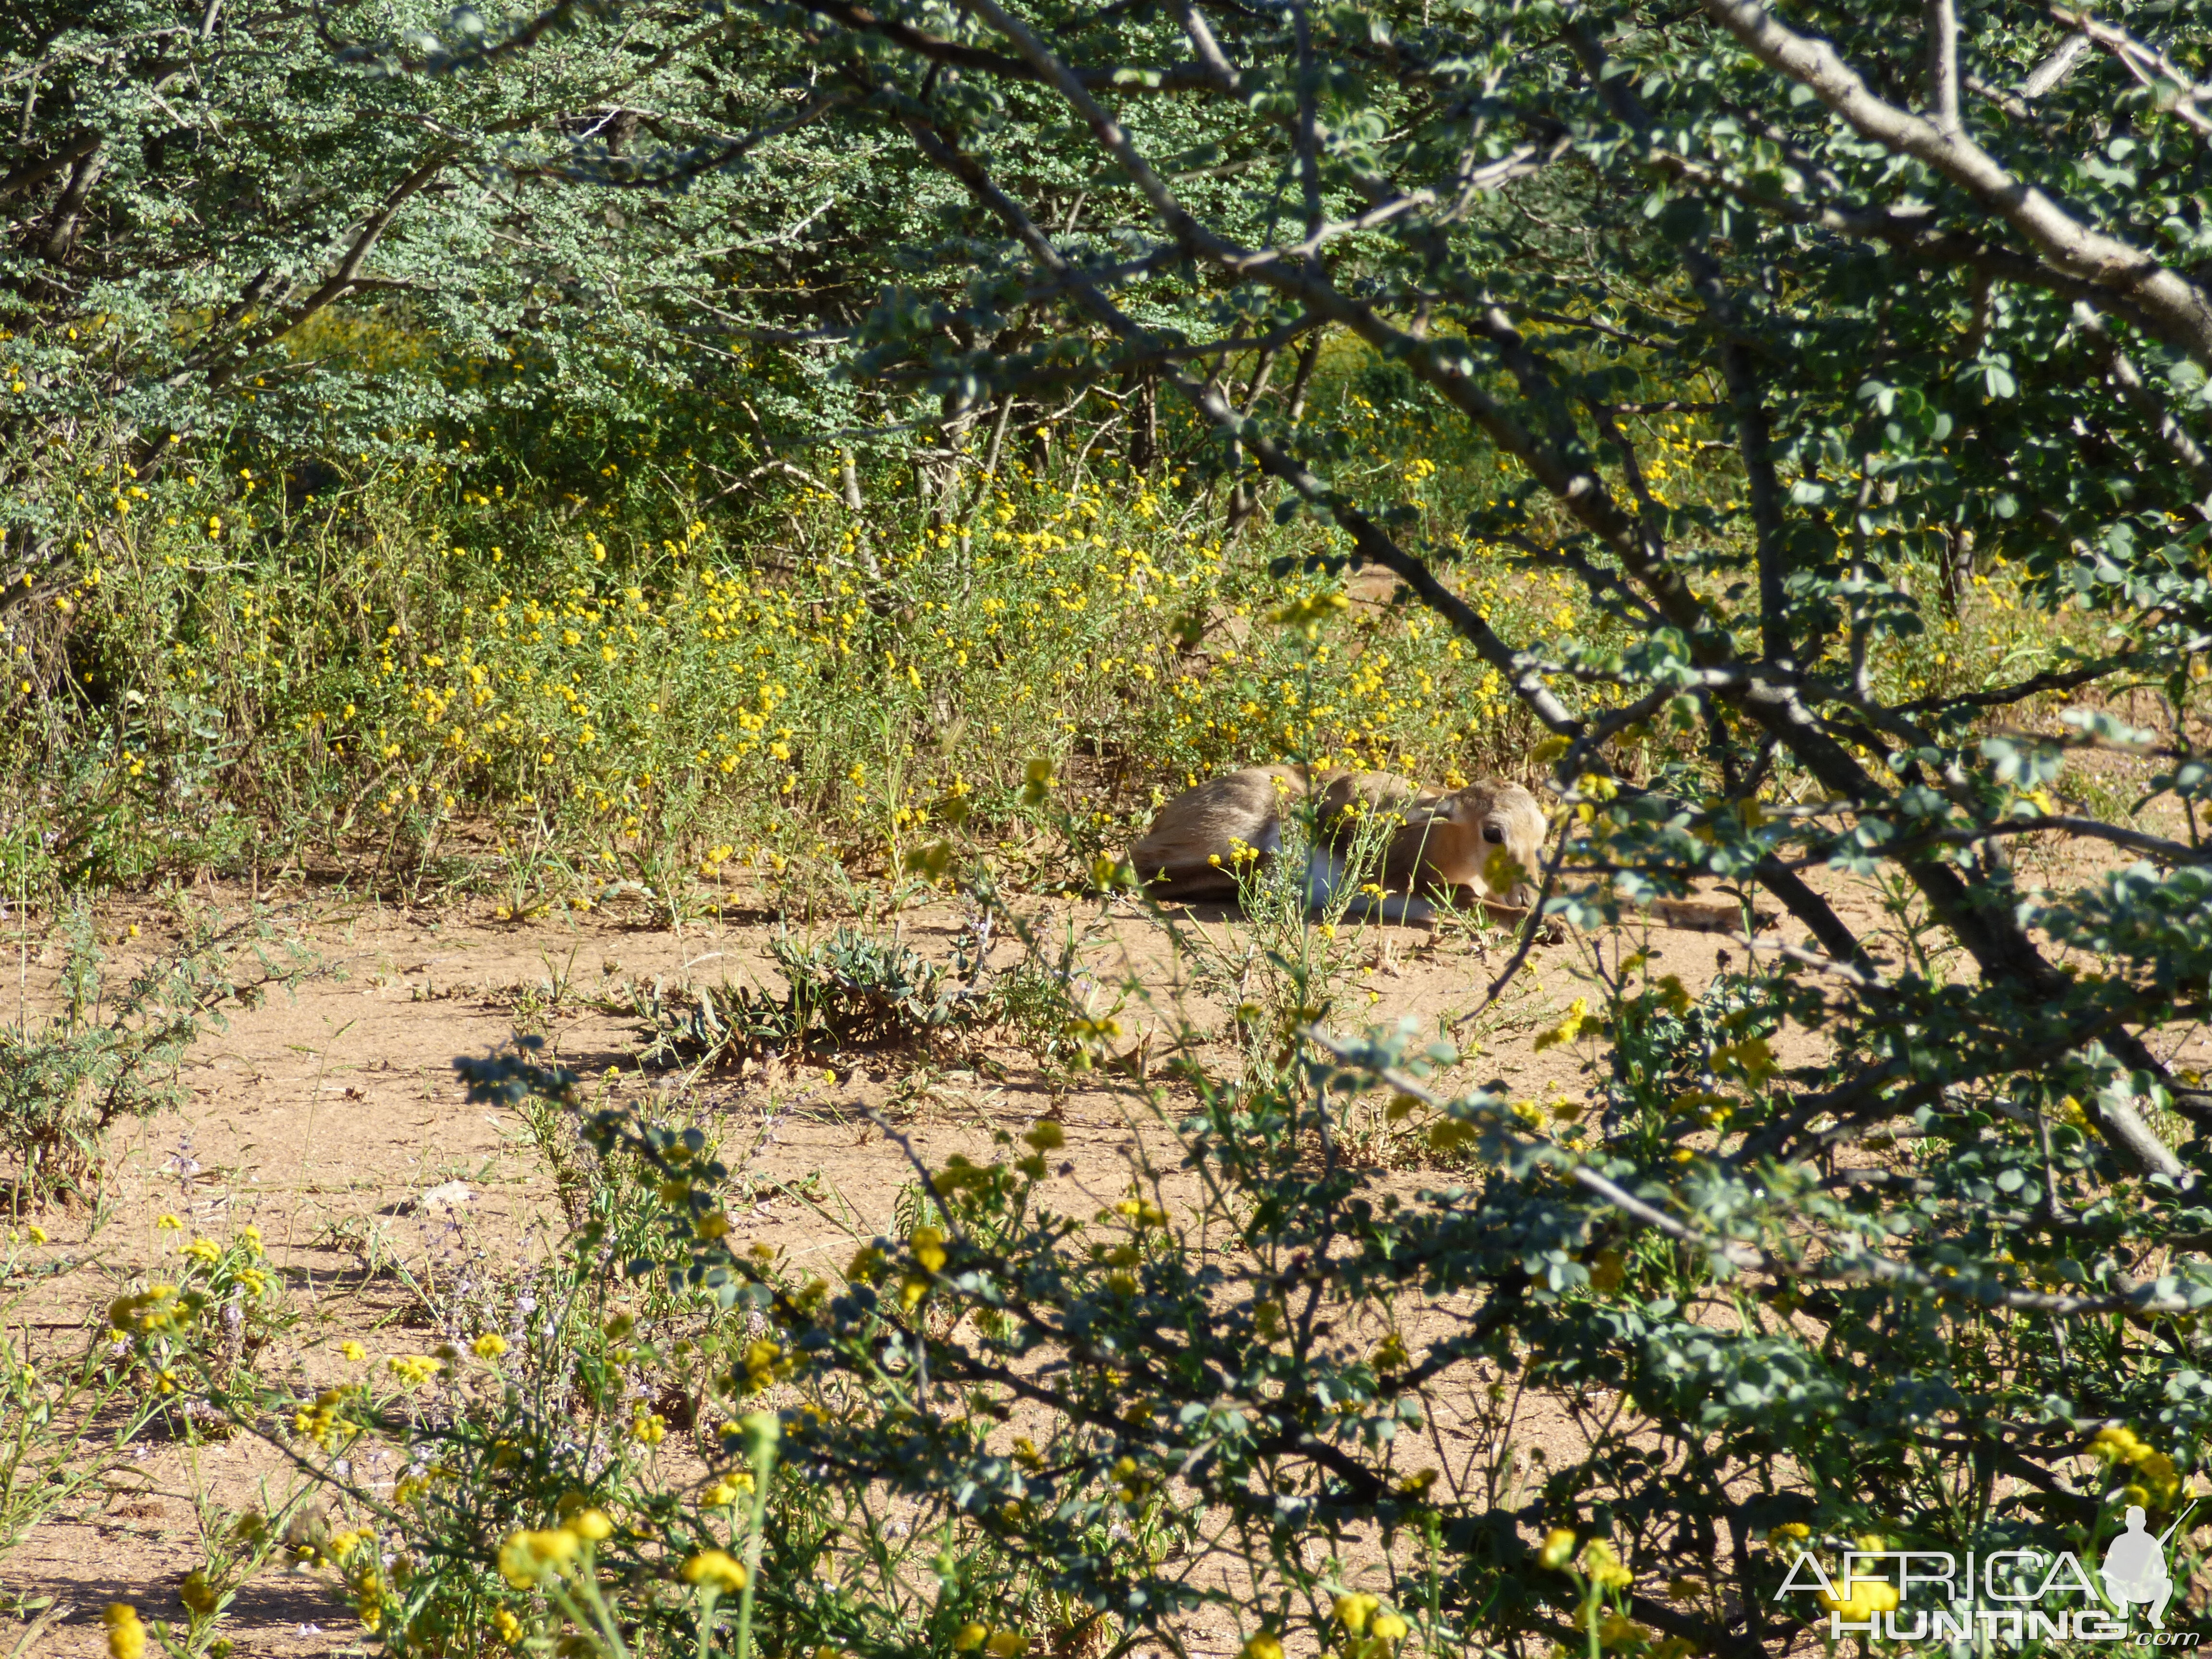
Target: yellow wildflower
524	1556
928	1246
1620	1632
1868	1596
1600	1562
126	1637
1568	1029
716	1570
593	1524
1352	1612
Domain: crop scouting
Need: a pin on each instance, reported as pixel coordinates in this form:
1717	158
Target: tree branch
2047	74
1998	945
31	174
1367	537
340	280
2151	68
1941	24
1843	1258
2177	310
1175	77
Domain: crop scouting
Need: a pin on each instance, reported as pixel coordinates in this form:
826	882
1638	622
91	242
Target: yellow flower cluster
1142	1212
764	1362
716	1570
726	1490
198	1595
359	1562
321	1422
412	1369
1000	1643
126	1634
2153	1482
1868	1596
156	1310
529	1557
1371	1629
928	1245
1602	1566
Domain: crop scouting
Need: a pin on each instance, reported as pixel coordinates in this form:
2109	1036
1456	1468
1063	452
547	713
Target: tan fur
1485	841
1188	851
1440	843
1439	840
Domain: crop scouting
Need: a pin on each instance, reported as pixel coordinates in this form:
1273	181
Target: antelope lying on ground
1482	842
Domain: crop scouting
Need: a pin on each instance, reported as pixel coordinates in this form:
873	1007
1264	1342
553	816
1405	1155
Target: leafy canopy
1923	280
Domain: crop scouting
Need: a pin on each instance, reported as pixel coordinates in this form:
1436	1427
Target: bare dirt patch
333	1120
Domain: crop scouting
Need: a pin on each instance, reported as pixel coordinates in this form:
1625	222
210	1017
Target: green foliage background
597	452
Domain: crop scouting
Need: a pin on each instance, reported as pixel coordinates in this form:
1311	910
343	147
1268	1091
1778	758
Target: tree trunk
1145	424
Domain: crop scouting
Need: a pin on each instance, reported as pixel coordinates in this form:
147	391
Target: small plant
222	1300
854	990
1282	969
103	1057
65	1416
581	1455
1050	1003
237	1544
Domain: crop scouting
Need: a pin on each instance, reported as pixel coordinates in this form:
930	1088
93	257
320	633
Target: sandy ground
324	1116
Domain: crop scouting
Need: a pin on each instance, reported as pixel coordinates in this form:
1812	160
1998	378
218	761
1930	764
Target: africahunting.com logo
2009	1597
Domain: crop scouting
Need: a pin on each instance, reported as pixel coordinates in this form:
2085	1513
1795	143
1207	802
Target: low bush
109	1054
854	989
1600	1385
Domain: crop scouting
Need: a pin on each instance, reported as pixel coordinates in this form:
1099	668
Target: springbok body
1479	842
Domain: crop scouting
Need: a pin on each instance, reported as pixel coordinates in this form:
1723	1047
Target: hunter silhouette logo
2135	1568
2008	1596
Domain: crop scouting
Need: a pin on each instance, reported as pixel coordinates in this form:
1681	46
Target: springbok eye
1493	835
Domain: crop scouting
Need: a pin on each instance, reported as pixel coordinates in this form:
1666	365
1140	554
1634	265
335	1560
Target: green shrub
1599	1386
854	989
104	1056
